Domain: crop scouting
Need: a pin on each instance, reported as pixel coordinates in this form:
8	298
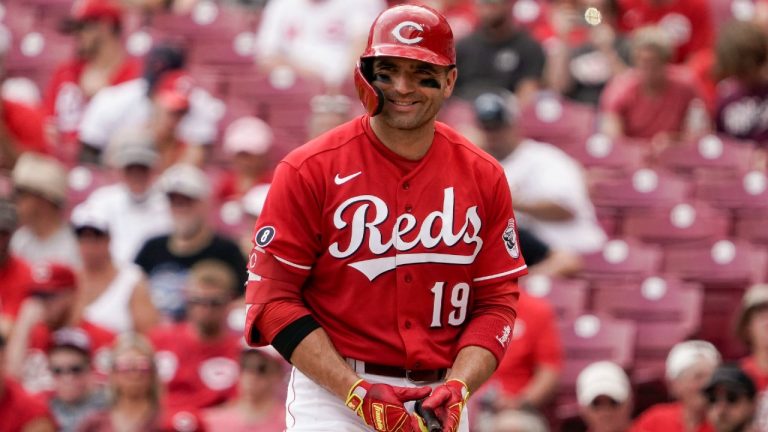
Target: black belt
423	375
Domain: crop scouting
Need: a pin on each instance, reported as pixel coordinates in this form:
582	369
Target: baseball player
385	261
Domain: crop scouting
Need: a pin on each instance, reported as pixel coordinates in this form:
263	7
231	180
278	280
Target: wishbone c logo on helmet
405	31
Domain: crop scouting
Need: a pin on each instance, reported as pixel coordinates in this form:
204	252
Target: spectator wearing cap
20	412
259	405
732	398
327	112
167	259
74	395
100	61
134	207
197	358
21	124
605	397
653	100
690	365
15	274
550	193
247	142
116	298
49	307
164	90
40	192
752	329
498	54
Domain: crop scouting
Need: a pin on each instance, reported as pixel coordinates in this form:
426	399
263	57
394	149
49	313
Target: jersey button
408	278
407	324
406	186
408	208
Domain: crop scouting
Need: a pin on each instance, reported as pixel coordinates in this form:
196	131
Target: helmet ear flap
371	96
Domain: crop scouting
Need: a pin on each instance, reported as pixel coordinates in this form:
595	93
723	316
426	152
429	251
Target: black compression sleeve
289	338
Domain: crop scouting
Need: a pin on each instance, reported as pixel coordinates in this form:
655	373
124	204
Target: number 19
459	300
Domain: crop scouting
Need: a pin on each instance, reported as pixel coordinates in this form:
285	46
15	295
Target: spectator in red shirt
259	405
49	308
15	275
247	142
20	412
687	22
197	358
652	100
100	61
690	365
605	397
752	329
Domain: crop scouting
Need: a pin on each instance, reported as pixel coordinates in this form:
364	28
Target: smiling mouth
402	103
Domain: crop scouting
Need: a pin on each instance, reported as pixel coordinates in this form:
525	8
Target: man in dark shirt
498	55
167	259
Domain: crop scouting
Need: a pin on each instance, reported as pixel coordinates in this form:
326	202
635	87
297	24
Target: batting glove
381	406
447	401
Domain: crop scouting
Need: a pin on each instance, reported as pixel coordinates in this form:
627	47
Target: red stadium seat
84	179
665	310
710	154
688	221
568	297
645	187
747	191
600	151
622	259
752	225
557	121
717	263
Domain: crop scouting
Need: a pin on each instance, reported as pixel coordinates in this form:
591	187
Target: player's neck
411	144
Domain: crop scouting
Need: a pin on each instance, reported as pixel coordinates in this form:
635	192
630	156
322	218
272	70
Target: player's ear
450	81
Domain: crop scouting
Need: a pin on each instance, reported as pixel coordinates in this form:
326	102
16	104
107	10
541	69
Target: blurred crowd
137	142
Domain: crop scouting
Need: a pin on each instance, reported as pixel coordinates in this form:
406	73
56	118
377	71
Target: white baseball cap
186	179
86	216
248	134
688	353
602	378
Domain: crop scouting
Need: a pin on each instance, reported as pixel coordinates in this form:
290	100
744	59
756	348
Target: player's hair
212	272
741	49
654	38
131	341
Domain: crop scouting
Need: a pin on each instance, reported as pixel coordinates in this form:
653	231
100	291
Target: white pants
311	408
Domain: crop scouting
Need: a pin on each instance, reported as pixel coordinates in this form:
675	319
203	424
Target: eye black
430	83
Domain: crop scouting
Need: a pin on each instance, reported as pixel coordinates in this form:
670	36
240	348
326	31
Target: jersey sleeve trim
498	275
292	264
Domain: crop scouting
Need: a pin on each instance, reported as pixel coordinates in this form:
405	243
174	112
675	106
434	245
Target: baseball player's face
413	91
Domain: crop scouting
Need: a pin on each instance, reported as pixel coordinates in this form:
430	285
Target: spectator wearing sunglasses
259	405
18	410
75	395
604	396
197	358
134	389
732	398
690	365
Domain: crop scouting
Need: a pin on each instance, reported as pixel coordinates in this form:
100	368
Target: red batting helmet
405	31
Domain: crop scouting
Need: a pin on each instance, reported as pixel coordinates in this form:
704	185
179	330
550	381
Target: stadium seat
568	297
622	259
746	191
557	121
665	310
752	225
644	187
84	179
710	155
601	151
687	221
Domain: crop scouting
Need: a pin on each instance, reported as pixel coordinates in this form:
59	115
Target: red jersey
18	409
198	374
760	377
667	417
688	22
25	125
65	101
535	341
37	377
15	277
401	262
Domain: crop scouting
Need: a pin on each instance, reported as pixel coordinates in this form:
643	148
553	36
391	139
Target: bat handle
431	420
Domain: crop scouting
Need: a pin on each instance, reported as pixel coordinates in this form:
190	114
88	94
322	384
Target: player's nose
403	84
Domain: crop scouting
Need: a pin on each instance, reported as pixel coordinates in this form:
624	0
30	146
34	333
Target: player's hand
447	401
381	406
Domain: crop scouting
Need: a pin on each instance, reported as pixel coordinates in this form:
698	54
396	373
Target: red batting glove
447	401
381	405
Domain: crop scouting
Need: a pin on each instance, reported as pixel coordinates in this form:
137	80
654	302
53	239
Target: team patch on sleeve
264	236
510	240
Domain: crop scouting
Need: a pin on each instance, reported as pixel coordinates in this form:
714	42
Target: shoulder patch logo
510	239
264	236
